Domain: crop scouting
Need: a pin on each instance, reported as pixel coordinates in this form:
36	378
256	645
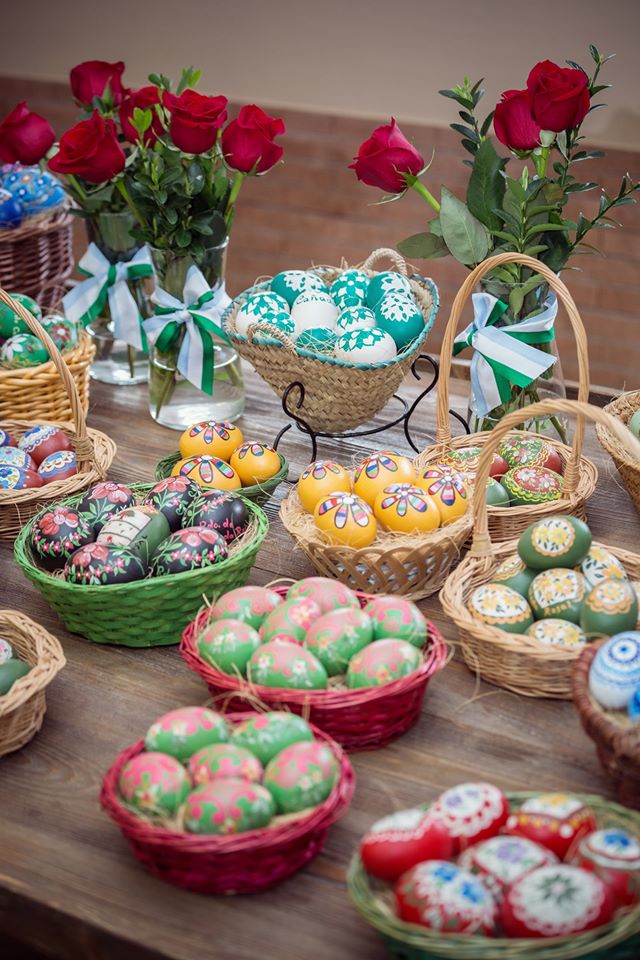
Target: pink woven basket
363	719
237	863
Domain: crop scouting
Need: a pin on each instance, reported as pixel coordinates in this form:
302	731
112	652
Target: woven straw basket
514	661
580	474
618	940
22	709
336	395
616	737
258	492
37	254
94	450
234	863
623	408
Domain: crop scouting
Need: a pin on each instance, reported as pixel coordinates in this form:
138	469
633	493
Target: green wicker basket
259	492
619	940
144	613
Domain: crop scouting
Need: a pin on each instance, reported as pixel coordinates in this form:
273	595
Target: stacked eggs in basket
43	454
215	455
19	348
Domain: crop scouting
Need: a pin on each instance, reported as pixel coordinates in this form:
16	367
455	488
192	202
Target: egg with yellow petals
379	471
255	462
213	438
319	480
209	472
448	489
346	518
405	508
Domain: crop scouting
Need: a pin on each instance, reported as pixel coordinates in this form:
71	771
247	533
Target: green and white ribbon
195	320
108	281
503	356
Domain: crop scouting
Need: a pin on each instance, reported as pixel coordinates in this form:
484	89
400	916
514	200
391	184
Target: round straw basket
514	661
236	863
22	709
144	613
580	474
623	408
363	719
258	492
37	253
618	940
337	395
616	737
94	450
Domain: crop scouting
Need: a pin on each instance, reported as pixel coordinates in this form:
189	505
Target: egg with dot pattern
614	675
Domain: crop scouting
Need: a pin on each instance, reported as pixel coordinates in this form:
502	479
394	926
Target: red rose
385	158
558	96
195	120
145	99
25	137
513	123
90	79
90	150
248	141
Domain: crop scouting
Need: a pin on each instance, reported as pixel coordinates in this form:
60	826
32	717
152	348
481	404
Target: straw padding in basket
623	408
234	863
360	719
22	709
580	475
36	253
514	661
617	940
337	396
616	736
94	450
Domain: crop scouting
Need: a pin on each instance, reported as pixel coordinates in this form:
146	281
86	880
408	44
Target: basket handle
481	545
386	253
266	327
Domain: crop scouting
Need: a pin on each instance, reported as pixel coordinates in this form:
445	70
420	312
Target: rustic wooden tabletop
69	888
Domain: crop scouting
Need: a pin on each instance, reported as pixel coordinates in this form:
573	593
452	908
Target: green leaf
516	299
465	132
423	246
536	249
467	239
183	237
486	186
595	53
543	228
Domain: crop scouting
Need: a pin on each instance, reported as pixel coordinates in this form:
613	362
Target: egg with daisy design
406	508
447	488
289	284
214	438
319	479
379	471
347	519
255	462
209	472
350	286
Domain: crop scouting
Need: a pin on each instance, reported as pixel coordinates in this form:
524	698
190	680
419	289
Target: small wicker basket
514	661
22	709
37	254
258	492
623	408
337	395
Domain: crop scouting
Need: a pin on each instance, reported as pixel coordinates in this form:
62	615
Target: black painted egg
174	497
188	549
98	564
223	512
58	533
103	501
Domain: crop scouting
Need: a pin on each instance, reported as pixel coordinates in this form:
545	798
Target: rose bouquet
514	312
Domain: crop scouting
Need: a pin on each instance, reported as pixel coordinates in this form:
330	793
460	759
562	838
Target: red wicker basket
363	719
237	863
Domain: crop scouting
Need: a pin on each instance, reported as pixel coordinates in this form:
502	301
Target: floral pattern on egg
500	606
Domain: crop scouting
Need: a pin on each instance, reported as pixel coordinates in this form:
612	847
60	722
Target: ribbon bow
199	316
503	357
106	280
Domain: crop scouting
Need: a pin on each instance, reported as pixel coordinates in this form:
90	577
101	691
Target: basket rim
591	712
50	659
253	490
82	353
616	451
60	217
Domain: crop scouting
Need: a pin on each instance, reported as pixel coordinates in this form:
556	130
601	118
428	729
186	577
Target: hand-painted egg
42	440
213	438
290	620
599	564
184	731
347	519
23	350
609	608
6	440
141	528
58	533
228	645
444	897
400	317
267	734
211	473
226	806
255	462
154	783
553	820
10	671
319	479
14	457
175	498
471	812
465	461
500	606
58	466
532	485
16	478
500	861
557	593
449	490
366	347
226	513
313	309
497	495
379	471
10	322
350	286
36	190
63	332
406	508
316	340
256	308
614	675
397	618
282	664
530	452
103	501
336	636
513	573
555	542
249	604
633	707
280	322
291	283
11	211
190	548
556	901
355	318
96	564
614	855
6	650
382	284
328	594
219	761
301	776
398	842
634	424
381	662
557	633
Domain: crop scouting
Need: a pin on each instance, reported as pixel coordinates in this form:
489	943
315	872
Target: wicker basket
617	739
336	396
516	662
37	254
145	613
258	492
22	709
237	863
580	474
619	940
363	719
623	408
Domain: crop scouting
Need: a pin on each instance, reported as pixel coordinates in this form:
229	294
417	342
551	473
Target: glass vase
174	401
116	362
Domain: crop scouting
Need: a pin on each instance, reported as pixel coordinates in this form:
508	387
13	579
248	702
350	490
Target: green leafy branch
471	131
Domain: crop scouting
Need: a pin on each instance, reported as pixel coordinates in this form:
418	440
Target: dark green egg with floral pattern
23	350
559	541
10	322
96	564
188	549
513	573
228	806
557	593
266	734
58	533
103	501
174	497
141	527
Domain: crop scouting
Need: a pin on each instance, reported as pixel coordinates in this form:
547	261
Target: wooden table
69	888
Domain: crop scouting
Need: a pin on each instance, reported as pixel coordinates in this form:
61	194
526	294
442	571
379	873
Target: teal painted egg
63	332
382	662
282	664
301	776
142	528
103	501
336	636
383	283
184	731
397	618
291	283
561	541
599	564
557	593
15	457
513	573
174	497
256	308
328	594
282	323
497	495
400	317
228	645
316	340
6	650
154	783
366	346
219	761
10	671
350	287
634	424
96	564
58	466
249	604
228	806
290	621
557	633
500	606
191	548
526	485
312	310
266	734
58	533
610	607
355	318
10	322
23	350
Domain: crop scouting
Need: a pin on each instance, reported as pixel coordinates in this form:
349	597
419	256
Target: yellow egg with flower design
255	462
449	490
320	479
347	519
378	471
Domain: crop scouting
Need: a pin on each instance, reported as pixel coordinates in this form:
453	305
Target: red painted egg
525	451
471	812
400	841
6	440
466	459
500	861
58	466
445	898
14	457
15	478
40	441
614	855
554	820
